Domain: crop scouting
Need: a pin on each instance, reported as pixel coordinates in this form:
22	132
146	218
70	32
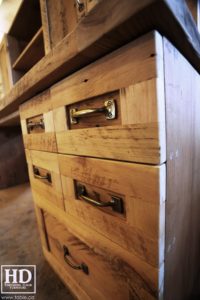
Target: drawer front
114	108
37	123
45	178
123	201
100	275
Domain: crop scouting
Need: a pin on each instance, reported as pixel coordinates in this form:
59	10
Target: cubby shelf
31	54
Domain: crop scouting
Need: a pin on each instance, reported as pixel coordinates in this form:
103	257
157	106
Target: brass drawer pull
108	109
116	202
31	125
82	266
37	175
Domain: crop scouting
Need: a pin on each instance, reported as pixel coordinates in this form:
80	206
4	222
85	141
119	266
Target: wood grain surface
101	282
142	188
183	176
47	163
138	133
98	34
39	107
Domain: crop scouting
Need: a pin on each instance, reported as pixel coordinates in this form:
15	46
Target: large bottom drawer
100	275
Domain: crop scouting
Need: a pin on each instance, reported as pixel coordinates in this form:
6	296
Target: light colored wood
101	282
137	143
5	67
90	4
99	34
45	25
108	74
46	163
41	227
142	193
38	105
32	53
35	109
151	275
140	135
41	141
28	156
64	276
183	176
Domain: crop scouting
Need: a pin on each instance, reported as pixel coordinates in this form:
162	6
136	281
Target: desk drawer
123	201
100	275
114	108
45	178
37	123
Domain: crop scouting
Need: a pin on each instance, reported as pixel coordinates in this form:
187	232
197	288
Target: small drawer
37	123
100	274
45	178
114	108
123	201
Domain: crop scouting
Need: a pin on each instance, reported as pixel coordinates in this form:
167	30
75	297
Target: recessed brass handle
31	125
82	266
108	110
116	202
37	175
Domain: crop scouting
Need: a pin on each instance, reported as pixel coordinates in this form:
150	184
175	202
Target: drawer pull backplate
82	266
116	202
108	110
31	125
42	177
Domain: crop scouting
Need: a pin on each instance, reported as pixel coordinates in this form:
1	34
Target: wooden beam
98	34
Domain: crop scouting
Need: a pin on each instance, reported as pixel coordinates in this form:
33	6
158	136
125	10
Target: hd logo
18	279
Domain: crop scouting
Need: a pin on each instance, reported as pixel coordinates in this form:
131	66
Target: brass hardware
116	202
82	266
80	4
37	175
31	125
108	109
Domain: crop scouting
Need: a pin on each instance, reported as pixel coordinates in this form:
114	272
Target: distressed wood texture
42	227
45	25
5	68
151	276
46	163
142	189
98	34
13	168
34	110
62	19
102	282
182	85
138	133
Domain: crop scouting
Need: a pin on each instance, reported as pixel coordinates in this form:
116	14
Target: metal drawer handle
38	176
31	125
116	202
80	5
82	266
108	109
